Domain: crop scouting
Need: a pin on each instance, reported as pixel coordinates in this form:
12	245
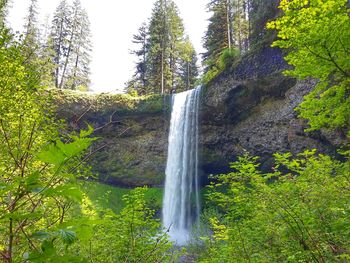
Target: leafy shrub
296	216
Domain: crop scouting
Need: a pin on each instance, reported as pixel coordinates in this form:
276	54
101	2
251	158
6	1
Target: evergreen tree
31	45
79	59
228	30
188	70
71	45
140	81
159	69
58	39
218	36
240	24
260	12
163	56
31	28
3	12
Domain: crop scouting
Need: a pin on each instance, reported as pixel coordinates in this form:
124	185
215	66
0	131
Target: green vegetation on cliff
75	101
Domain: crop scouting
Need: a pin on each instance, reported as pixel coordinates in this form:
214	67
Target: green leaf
68	237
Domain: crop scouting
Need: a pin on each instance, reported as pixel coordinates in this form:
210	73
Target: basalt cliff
245	109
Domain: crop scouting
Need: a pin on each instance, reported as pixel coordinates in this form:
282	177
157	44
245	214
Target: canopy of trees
167	61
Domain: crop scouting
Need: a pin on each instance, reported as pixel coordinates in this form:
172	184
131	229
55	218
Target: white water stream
181	195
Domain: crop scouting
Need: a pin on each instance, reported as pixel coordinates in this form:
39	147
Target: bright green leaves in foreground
316	34
296	216
133	235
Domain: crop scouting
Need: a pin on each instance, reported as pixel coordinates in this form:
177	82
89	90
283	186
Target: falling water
181	196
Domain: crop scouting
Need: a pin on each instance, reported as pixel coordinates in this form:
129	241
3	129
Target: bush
297	216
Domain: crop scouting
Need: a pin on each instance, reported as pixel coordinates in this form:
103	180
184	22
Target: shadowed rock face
257	116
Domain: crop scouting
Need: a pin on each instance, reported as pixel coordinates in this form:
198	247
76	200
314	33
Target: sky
113	23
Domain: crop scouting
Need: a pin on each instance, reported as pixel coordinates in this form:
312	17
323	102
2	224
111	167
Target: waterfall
181	194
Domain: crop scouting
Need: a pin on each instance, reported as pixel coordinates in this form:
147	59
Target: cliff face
254	115
132	132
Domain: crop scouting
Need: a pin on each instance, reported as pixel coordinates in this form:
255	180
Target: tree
58	39
188	70
240	25
164	53
140	78
80	48
260	12
159	48
227	33
3	12
37	183
317	36
71	45
218	36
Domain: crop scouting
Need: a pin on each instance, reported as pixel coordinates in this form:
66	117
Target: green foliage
111	197
298	213
38	170
226	60
133	235
317	35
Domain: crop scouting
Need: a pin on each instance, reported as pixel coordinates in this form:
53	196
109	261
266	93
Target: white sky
113	23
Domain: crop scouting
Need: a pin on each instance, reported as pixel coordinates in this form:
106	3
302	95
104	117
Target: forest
84	178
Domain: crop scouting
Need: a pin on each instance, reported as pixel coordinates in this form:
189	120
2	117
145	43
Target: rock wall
256	116
132	135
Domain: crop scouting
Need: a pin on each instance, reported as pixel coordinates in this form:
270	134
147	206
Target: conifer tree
188	70
218	36
58	38
71	45
3	12
31	45
78	59
139	81
159	48
228	29
163	57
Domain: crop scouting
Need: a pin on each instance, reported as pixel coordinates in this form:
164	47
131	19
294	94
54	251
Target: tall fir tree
31	43
188	70
58	39
228	29
162	56
71	45
260	12
159	68
81	58
3	12
219	34
139	81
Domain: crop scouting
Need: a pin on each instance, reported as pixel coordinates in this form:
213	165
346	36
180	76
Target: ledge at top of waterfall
181	196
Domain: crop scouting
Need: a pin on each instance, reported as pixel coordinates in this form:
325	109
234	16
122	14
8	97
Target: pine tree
188	70
218	36
58	39
71	45
80	44
228	29
31	45
3	12
139	81
240	24
165	57
159	68
260	12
